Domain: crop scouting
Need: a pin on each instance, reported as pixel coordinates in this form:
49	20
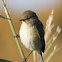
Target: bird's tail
40	58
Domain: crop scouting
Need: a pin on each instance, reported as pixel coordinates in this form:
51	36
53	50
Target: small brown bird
32	32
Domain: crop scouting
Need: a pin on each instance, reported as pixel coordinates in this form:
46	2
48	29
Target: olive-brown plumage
32	32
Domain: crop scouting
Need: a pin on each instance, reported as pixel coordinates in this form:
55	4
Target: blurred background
8	46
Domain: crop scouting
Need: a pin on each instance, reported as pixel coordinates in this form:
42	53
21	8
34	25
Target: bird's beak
22	20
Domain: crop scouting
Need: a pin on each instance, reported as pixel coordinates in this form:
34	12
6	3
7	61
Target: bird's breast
28	35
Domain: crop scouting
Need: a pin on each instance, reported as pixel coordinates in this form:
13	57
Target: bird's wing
41	33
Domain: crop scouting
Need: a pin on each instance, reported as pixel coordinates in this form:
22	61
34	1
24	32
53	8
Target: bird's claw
24	59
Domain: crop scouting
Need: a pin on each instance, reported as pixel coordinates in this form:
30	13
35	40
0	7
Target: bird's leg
23	60
17	36
29	54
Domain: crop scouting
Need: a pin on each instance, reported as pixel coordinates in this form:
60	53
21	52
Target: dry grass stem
49	26
50	40
52	53
34	56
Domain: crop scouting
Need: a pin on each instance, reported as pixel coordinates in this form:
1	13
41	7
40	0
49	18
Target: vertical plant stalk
13	30
34	56
50	40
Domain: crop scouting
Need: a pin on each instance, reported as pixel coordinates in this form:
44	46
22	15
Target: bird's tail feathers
40	58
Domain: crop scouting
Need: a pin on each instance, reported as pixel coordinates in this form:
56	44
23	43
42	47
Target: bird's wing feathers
41	33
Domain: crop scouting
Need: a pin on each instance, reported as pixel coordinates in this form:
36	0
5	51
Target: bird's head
27	15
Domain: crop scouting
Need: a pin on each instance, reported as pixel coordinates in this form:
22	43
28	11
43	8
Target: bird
32	32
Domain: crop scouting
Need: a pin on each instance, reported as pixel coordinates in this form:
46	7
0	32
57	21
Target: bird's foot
24	59
27	56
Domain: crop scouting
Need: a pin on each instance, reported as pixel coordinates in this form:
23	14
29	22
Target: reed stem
13	30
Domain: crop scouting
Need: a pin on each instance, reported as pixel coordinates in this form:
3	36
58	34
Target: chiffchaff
32	32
